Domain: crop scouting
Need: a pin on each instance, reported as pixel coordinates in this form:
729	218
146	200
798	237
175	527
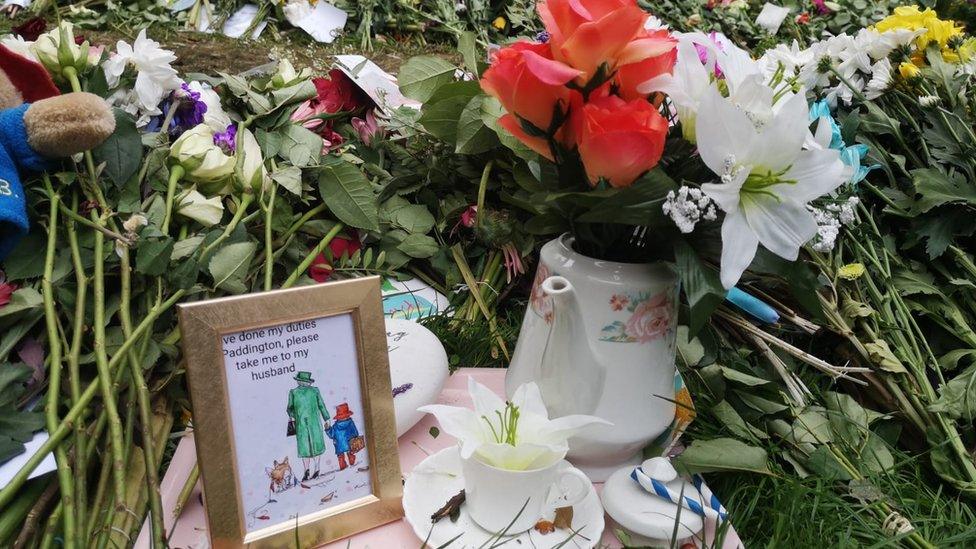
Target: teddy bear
38	125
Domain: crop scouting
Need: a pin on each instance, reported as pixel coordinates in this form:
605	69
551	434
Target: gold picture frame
207	326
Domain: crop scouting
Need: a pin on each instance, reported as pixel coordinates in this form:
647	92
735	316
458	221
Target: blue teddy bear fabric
15	154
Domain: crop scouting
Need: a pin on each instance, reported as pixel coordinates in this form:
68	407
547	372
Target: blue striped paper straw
658	488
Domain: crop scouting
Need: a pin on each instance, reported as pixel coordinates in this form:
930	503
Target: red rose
530	85
6	291
620	140
338	93
31	29
321	268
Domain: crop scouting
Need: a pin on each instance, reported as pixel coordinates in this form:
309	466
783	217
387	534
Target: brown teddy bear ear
30	78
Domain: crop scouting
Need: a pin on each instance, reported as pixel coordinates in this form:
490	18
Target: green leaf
420	76
701	285
742	378
761	405
812	426
473	136
639	204
721	454
690	350
12	378
24	262
22	300
825	464
848	419
468	47
957	398
936	188
413	218
441	118
349	195
881	354
418	245
301	146
153	255
950	360
731	420
19	425
876	456
290	178
491	111
122	151
230	263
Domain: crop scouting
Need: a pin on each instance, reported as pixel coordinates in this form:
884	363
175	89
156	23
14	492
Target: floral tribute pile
829	179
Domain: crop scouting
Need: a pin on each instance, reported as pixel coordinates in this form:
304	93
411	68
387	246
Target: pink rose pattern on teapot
650	318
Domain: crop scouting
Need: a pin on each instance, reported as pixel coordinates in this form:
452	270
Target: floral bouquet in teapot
663	160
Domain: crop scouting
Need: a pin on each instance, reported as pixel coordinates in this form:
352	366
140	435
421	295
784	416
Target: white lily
206	211
155	77
515	436
767	178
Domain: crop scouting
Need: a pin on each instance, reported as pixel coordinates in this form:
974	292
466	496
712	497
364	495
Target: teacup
493	496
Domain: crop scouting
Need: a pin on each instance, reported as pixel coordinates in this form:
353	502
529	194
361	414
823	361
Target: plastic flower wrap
516	435
204	162
57	50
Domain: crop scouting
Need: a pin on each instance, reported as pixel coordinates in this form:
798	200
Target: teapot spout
571	377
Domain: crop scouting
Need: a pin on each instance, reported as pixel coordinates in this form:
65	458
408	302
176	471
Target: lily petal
528	399
818	172
739	246
781	139
486	402
781	225
722	129
461	423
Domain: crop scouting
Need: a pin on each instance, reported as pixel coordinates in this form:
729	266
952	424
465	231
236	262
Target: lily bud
206	211
251	174
56	50
203	161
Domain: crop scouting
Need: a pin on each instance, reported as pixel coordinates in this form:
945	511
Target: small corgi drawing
280	475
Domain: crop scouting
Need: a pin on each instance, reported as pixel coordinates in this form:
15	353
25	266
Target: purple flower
189	111
542	36
402	389
821	6
703	51
227	139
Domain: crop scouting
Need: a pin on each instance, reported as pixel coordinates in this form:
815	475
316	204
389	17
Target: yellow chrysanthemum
851	271
908	70
499	23
937	31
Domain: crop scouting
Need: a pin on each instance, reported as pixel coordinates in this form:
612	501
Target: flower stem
74	368
234	222
269	239
175	173
312	254
9	492
65	478
145	413
104	372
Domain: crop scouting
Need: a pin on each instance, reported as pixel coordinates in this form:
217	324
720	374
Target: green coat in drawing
305	407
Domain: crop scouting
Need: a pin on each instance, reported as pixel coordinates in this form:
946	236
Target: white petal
721	130
520	458
783	226
461	423
528	399
816	172
565	427
486	402
739	246
726	195
780	141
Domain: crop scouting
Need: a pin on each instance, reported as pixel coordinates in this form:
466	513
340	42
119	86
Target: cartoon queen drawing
305	406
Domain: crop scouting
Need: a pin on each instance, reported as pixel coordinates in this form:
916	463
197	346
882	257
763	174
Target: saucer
436	479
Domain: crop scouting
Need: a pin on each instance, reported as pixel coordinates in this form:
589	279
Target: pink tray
189	531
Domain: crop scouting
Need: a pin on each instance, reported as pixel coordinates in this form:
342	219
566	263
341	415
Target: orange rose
620	140
587	33
631	75
530	85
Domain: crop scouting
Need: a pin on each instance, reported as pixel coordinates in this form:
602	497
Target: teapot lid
647	515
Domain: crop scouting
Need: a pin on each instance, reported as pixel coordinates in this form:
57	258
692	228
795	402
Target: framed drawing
293	414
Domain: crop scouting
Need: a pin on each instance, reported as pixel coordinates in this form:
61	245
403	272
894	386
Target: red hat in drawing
342	412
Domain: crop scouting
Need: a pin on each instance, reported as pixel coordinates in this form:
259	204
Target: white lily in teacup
516	435
767	178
